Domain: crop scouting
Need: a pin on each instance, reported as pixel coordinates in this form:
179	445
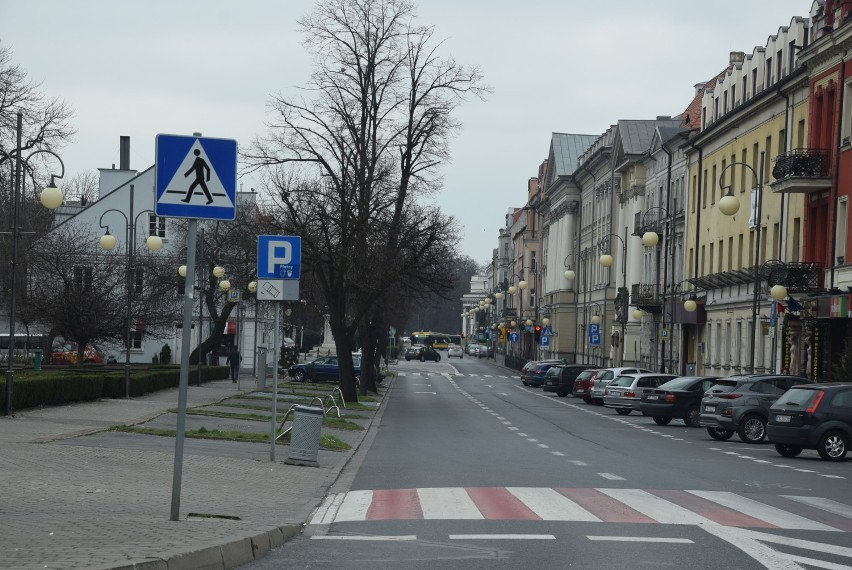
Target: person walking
233	361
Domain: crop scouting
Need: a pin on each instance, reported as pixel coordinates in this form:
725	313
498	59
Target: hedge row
54	388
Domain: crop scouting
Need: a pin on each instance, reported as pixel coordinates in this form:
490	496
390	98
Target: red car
67	354
583	385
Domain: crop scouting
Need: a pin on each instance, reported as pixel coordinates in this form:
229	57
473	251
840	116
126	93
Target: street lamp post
650	238
729	205
51	198
622	298
107	242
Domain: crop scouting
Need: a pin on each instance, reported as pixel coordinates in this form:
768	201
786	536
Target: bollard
37	359
305	436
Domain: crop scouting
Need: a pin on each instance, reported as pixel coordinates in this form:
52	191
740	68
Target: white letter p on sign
280	253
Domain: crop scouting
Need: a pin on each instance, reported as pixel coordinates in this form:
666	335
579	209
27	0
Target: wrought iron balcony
646	297
796	277
801	171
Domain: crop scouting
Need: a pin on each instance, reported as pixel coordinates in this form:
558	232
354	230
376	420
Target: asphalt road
470	469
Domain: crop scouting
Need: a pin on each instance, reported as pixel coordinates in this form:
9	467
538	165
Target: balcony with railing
647	297
801	171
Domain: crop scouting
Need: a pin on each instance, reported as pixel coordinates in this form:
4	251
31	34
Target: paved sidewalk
71	497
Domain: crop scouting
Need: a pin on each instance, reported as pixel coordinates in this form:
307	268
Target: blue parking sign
545	340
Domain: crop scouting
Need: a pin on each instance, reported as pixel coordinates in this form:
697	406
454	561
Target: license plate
652	397
615	393
710	409
783	419
552	383
580	390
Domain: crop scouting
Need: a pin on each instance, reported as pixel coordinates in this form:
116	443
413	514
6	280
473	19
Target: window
739	344
779	67
138	281
797	230
156	226
730	253
767	80
733	96
710	269
740	252
135	340
713	189
842	399
753	81
83	278
743	171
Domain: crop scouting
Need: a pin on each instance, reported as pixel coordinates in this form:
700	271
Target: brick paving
75	496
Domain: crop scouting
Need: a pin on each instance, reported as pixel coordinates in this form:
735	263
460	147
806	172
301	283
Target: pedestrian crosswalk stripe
693	507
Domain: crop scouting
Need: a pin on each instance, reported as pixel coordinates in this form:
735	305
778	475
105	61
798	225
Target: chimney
124	153
737	57
699	88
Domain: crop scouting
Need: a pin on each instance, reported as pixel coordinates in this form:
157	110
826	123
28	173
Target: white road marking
558	453
506	423
751	542
532	440
543	446
327	511
522	434
433	393
513	428
659	509
832	476
579	463
354	506
832	507
502	537
761	511
551	505
361	537
641	539
611	476
449	503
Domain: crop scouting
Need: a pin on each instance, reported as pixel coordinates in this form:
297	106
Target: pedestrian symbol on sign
200	167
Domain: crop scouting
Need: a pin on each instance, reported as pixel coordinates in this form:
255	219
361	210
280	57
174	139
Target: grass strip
327	442
328	421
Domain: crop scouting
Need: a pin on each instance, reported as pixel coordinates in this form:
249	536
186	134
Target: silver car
606	376
625	392
455	350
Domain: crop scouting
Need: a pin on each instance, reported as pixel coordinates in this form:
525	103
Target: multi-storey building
756	110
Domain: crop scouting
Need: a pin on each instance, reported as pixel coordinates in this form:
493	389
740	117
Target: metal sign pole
188	303
276	351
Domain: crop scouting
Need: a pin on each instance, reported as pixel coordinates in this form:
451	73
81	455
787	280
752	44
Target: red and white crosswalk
586	505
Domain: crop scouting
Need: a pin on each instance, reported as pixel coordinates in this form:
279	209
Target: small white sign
277	289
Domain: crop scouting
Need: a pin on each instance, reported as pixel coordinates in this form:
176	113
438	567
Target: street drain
206	516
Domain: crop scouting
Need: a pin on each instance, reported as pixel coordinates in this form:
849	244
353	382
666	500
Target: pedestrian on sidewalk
233	361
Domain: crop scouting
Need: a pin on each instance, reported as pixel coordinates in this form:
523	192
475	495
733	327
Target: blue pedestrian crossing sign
196	177
279	257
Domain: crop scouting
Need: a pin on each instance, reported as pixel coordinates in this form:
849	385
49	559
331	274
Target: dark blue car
323	369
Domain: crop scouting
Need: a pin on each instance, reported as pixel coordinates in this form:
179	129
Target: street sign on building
196	177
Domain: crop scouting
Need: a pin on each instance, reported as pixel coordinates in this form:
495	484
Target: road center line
502	537
361	537
641	539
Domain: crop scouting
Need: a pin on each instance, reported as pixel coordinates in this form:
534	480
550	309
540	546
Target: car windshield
797	397
622	381
677	384
586	374
554	371
722	386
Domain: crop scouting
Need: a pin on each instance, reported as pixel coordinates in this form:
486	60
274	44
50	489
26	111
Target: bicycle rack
322	404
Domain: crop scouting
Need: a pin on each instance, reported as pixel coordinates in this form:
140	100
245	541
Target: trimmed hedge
55	388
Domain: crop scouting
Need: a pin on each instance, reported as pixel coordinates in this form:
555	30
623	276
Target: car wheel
561	394
720	434
588	401
299	376
662	420
833	446
422	358
752	429
437	358
623	412
598	401
692	417
788	450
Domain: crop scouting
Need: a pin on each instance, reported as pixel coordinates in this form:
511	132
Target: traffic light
537	330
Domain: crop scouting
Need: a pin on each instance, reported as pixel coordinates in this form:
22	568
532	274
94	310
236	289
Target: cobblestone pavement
74	496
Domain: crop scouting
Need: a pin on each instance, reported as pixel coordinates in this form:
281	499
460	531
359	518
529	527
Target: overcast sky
142	68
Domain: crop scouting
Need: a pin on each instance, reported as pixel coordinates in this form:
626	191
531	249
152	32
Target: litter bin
37	359
305	436
261	367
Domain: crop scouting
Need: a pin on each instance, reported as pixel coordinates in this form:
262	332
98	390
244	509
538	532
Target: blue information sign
279	257
594	335
545	340
196	177
514	336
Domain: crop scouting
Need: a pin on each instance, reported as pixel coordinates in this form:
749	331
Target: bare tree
351	158
82	188
78	291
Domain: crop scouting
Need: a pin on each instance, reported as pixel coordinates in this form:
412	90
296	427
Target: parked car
534	375
740	404
676	399
583	384
815	416
625	392
607	375
472	349
66	353
422	353
455	350
323	369
560	379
